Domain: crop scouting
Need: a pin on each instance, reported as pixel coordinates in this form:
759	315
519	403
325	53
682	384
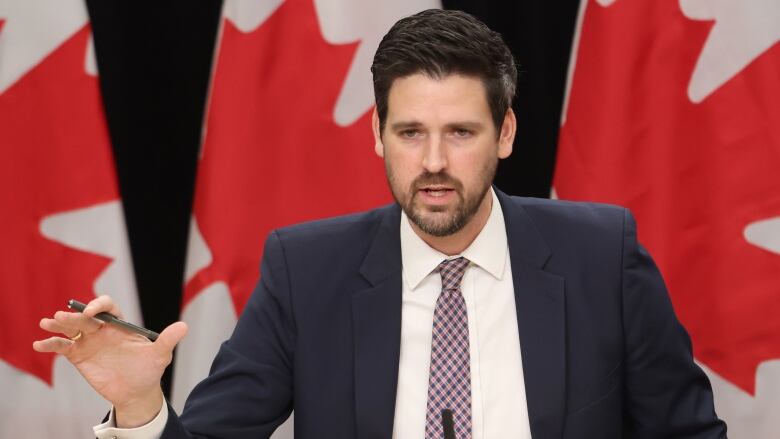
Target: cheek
400	178
397	172
402	164
473	168
467	162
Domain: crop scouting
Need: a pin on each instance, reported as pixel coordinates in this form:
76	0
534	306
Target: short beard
449	225
465	209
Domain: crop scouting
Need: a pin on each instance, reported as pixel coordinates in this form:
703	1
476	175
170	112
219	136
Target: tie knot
451	272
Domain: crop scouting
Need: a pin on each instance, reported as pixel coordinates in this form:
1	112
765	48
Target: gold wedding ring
76	337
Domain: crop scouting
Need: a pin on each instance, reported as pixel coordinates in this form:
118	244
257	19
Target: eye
462	132
410	133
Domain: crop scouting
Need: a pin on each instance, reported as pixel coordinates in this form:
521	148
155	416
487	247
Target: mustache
439	178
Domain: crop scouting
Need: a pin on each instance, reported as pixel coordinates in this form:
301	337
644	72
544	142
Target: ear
507	137
379	147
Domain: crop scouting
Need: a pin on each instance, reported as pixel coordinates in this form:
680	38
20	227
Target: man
457	312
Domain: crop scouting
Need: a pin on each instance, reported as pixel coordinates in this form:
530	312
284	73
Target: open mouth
436	191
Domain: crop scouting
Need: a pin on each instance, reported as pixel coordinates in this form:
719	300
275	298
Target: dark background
154	60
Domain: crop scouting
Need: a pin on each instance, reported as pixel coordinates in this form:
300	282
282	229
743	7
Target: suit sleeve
667	394
248	392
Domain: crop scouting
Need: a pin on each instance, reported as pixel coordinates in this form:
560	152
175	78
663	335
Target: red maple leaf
273	155
56	157
694	174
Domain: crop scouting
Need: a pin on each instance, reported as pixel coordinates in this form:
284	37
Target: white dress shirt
498	401
152	430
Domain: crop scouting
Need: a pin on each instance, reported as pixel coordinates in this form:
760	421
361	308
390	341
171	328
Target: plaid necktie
449	385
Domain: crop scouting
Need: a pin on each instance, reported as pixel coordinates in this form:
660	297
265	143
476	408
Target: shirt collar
488	250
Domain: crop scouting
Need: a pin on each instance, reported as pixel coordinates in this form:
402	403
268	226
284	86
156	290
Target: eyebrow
405	125
469	125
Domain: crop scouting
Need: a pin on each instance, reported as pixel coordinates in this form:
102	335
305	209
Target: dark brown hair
439	43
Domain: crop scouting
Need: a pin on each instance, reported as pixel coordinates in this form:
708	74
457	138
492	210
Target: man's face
441	149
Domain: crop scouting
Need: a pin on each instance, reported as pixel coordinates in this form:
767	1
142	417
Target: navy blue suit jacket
603	354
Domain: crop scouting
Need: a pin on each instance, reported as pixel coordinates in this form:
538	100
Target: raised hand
123	367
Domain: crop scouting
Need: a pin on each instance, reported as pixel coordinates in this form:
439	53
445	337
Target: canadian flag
287	139
61	227
674	112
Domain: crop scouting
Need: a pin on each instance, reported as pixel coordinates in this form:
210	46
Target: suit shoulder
335	231
577	210
555	216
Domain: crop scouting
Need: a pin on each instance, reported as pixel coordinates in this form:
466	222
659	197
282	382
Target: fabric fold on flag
673	112
62	224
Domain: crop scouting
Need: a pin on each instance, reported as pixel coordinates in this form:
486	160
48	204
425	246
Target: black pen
108	318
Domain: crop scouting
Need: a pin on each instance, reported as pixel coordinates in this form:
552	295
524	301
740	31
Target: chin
437	224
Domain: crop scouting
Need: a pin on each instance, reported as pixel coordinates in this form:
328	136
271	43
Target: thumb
171	336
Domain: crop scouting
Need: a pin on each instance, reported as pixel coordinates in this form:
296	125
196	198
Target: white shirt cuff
152	430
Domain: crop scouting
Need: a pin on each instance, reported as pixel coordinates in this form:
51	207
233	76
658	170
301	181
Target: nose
435	155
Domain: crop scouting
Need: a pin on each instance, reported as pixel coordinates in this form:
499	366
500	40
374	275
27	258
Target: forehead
425	98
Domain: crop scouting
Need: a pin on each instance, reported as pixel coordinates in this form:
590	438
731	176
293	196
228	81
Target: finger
57	345
171	336
74	322
102	304
56	327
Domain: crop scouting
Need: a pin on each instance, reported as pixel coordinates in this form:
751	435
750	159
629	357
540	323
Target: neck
457	242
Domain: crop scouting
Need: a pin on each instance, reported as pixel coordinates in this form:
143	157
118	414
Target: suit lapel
539	298
376	313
